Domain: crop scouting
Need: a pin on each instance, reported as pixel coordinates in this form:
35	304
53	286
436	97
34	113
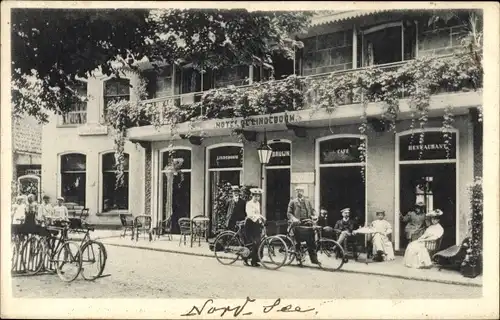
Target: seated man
298	210
344	226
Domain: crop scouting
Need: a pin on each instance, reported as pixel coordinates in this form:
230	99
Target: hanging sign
226	157
433	148
280	155
340	150
255	121
179	155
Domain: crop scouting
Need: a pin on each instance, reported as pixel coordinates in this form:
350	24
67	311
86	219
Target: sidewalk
394	268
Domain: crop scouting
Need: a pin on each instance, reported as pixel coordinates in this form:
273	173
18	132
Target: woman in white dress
254	224
18	210
382	246
416	254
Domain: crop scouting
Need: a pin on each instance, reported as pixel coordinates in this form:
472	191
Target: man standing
235	209
298	210
45	210
254	224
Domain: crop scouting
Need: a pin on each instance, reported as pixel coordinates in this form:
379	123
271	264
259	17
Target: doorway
181	195
218	178
278	195
383	44
435	185
342	187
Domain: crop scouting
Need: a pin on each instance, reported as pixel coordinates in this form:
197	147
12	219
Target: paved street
150	274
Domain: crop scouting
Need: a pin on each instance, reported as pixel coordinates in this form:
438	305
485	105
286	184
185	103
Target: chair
164	228
350	242
142	224
199	228
126	225
433	246
452	257
185	230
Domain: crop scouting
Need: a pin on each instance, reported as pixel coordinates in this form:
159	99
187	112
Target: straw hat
60	198
434	214
256	191
235	188
348	210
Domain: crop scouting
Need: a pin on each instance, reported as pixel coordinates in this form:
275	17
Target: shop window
116	89
77	113
327	53
114	197
73	178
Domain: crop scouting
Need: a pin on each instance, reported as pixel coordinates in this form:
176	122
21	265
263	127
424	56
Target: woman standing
416	254
18	210
254	224
415	222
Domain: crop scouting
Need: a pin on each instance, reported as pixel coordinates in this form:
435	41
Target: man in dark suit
344	226
235	209
298	210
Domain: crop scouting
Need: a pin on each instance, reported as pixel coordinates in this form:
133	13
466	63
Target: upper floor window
116	89
327	53
114	197
161	83
440	38
77	113
73	178
236	76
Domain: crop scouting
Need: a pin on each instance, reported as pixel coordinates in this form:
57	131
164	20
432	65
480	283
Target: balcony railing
73	118
295	94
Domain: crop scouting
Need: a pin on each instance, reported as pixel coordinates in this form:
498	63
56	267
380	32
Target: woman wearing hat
416	254
60	210
254	224
382	246
415	222
18	210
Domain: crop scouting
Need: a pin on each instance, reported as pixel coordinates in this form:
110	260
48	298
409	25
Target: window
236	76
441	38
116	89
114	197
163	83
73	178
327	53
78	110
423	193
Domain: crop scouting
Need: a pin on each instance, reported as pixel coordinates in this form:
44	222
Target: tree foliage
52	48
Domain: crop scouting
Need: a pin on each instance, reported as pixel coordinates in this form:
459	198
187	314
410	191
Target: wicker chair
127	225
142	224
185	230
199	228
433	246
164	228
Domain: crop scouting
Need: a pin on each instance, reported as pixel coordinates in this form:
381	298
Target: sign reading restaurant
433	148
255	121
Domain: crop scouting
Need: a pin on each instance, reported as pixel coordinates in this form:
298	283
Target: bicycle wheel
32	255
273	252
93	260
16	255
290	244
227	246
330	254
68	261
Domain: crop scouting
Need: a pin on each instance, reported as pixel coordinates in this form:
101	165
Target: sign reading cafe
255	121
340	150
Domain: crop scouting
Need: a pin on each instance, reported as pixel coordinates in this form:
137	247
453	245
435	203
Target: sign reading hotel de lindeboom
255	121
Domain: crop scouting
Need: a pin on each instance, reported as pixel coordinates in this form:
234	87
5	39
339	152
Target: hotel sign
226	157
340	150
433	148
255	121
280	155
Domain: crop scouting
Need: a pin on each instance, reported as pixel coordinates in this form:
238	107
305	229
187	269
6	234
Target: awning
335	16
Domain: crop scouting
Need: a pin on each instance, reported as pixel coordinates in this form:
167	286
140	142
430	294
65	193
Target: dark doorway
342	187
181	199
277	193
382	46
283	67
439	193
216	179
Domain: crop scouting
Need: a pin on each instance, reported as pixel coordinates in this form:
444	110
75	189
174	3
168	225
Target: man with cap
45	210
235	209
300	209
60	210
254	224
344	226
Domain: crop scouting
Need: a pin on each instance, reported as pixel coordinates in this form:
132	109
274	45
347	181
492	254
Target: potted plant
471	267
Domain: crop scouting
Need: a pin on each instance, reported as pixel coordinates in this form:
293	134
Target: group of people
300	210
27	211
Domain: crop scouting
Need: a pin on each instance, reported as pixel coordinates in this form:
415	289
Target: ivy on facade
473	257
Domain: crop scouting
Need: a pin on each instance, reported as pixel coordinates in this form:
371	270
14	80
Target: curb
415	278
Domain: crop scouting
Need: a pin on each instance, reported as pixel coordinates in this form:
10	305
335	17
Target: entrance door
181	196
435	185
342	187
278	193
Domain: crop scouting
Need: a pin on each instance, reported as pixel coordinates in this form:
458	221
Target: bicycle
230	242
329	252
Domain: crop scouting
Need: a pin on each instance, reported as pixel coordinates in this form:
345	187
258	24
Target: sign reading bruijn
433	148
255	121
280	155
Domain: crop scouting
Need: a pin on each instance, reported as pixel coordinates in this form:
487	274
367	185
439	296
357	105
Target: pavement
394	269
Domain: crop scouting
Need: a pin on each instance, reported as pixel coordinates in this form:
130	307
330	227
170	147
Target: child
382	246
